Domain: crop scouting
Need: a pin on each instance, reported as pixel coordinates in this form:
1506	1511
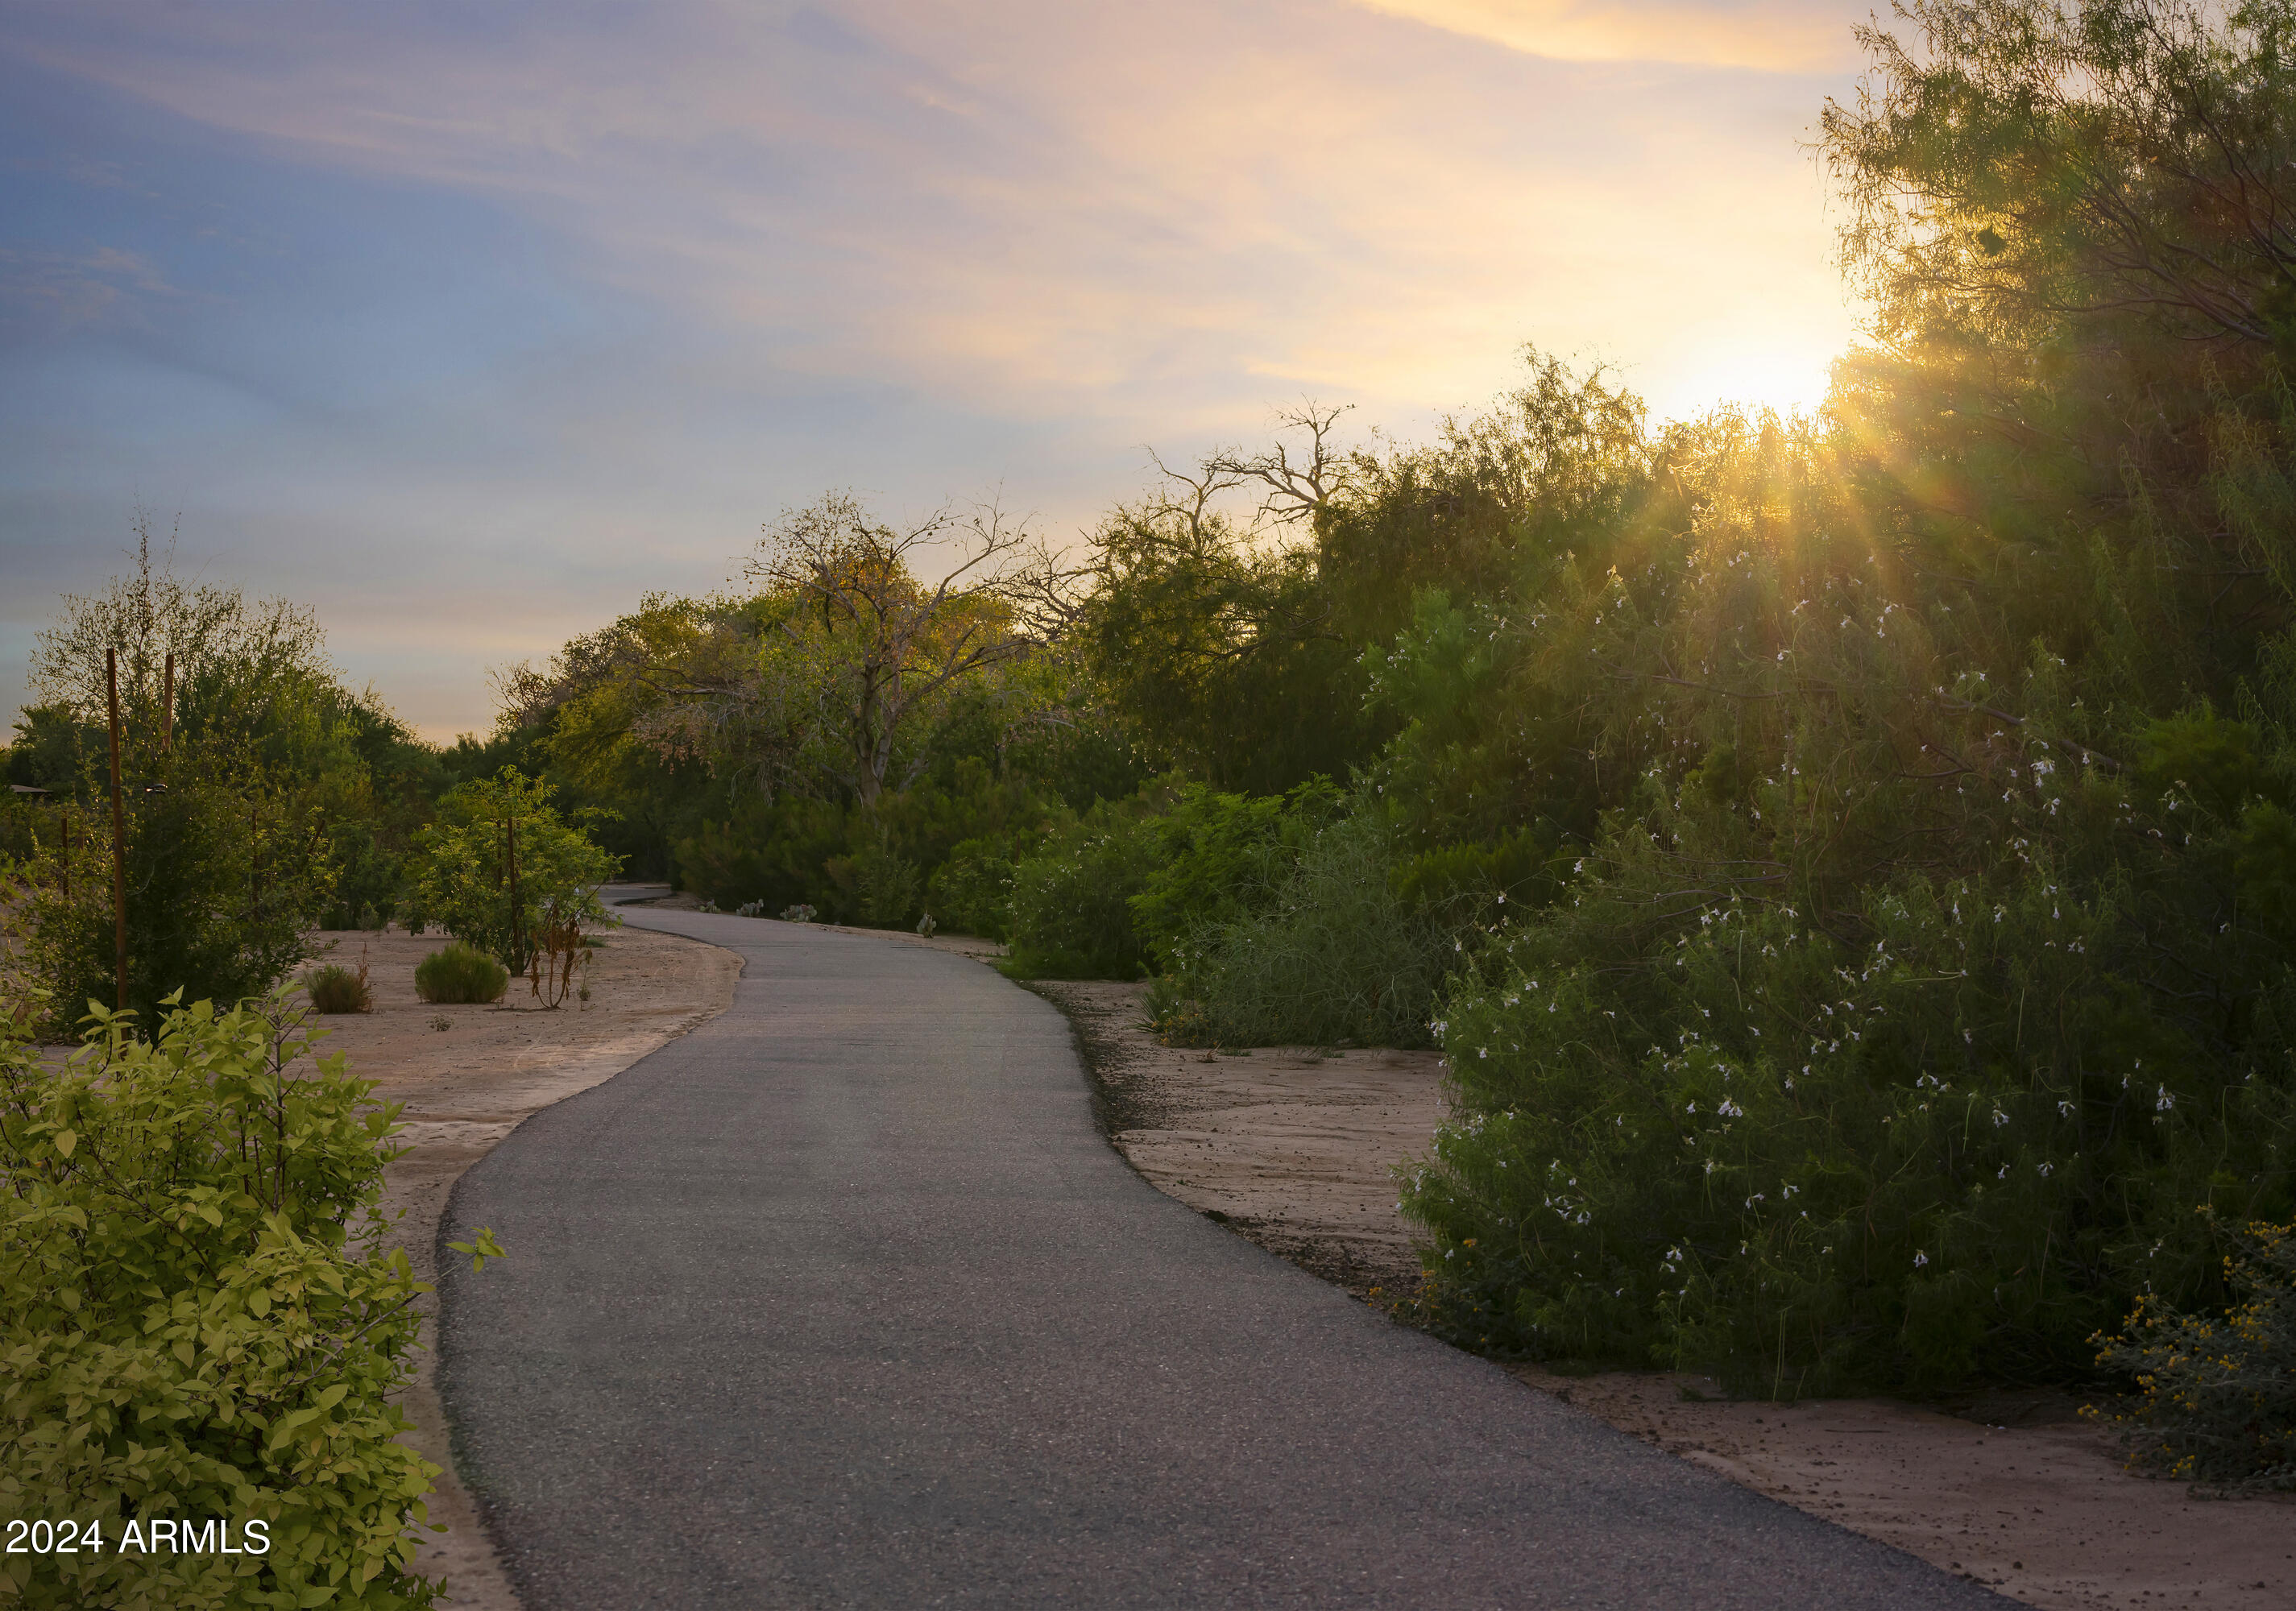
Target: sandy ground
466	1087
1286	1144
1295	1151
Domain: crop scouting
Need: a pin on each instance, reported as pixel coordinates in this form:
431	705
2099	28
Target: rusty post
119	838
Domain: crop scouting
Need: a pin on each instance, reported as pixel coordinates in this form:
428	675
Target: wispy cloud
1769	35
1045	203
55	292
917	245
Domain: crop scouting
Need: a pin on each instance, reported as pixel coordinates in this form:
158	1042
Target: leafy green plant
1220	857
200	1320
501	869
1332	954
881	886
2216	1394
459	976
337	989
1072	901
973	889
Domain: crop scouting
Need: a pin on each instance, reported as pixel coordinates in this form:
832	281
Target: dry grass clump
335	988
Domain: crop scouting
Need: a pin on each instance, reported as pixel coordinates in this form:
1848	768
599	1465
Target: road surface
843	1300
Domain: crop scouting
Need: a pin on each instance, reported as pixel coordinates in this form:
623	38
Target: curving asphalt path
842	1300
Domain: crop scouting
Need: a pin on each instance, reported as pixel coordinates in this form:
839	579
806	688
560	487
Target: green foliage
50	750
261	795
1214	646
1220	857
1071	901
200	1320
972	890
1924	955
918	850
2216	1398
336	989
880	886
1329	954
223	880
500	867
460	975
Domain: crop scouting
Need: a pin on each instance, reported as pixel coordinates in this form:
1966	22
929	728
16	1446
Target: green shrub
973	889
199	1319
880	886
337	989
460	976
2216	1400
1072	901
502	871
1220	857
1333	955
1952	1152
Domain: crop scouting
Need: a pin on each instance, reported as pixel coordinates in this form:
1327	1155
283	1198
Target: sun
1783	368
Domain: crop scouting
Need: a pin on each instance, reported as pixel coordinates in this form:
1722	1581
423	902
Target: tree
231	750
149	618
501	871
2032	160
863	647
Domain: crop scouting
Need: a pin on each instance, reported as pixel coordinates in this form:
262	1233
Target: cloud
1810	38
50	293
1038	205
562	300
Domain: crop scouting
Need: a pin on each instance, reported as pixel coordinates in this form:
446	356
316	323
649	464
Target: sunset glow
380	295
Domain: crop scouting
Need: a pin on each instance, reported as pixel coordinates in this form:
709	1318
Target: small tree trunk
516	912
119	838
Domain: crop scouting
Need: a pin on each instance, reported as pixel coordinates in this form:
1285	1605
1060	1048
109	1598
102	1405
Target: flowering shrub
1741	1143
2216	1400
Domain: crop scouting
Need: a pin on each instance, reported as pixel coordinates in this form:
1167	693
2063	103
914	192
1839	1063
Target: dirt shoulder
1296	1151
1289	1145
466	1087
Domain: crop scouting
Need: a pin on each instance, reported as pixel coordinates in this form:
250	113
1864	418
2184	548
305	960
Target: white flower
1919	1259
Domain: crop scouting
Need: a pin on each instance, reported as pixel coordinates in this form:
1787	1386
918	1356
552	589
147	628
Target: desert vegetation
202	1318
1849	861
1844	858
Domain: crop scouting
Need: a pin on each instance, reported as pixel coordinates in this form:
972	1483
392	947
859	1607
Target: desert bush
1221	857
1332	954
880	887
337	989
460	975
799	913
200	1318
2216	1398
1072	901
503	871
973	889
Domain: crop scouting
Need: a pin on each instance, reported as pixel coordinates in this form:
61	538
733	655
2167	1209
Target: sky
469	324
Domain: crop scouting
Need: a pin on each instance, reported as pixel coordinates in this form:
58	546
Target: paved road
842	1300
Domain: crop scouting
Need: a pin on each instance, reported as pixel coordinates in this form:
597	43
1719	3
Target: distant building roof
25	788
